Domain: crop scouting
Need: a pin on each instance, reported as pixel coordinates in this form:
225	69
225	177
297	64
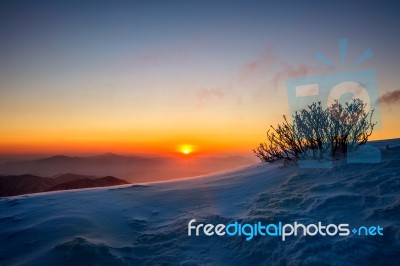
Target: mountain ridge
14	185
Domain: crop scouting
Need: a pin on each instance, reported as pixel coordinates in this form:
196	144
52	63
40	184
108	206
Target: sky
162	77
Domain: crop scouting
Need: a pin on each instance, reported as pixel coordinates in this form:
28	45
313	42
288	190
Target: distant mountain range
25	184
131	168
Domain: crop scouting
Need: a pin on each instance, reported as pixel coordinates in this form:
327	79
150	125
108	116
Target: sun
186	149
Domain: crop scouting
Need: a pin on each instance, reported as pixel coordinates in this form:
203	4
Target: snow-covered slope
147	224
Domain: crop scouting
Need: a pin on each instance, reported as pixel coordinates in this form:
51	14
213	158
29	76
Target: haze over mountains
130	168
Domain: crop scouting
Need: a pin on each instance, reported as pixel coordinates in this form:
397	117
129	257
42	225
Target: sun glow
186	149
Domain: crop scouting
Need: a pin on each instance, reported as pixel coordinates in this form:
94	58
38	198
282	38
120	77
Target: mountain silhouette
14	185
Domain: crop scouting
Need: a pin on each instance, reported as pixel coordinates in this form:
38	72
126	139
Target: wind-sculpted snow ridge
148	224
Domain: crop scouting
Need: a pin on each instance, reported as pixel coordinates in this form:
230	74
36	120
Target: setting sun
186	149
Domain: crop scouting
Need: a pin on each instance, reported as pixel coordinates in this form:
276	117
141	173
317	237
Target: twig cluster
317	133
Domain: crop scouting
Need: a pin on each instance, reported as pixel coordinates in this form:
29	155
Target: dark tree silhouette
317	133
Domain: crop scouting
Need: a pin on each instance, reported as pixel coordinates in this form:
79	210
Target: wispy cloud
205	95
390	98
274	69
267	58
288	71
261	76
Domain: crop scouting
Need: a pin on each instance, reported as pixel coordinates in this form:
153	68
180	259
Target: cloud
266	73
258	65
289	71
271	67
206	95
391	97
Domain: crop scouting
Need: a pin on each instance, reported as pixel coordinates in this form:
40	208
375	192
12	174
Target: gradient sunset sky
151	76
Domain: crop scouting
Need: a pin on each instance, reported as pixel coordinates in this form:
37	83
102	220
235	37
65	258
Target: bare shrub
318	133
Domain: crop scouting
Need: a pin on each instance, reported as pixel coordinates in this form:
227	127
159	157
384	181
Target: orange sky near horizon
238	138
215	141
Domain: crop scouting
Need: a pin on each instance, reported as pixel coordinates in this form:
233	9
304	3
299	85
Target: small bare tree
318	133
